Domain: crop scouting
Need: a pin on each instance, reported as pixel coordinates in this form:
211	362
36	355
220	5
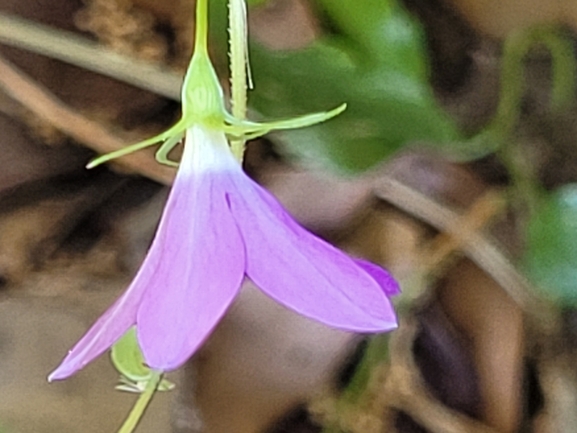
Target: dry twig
477	246
404	389
44	104
87	54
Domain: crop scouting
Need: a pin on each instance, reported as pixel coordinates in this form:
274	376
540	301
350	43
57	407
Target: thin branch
71	48
44	104
478	247
405	389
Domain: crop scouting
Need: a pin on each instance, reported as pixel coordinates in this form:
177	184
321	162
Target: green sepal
202	94
176	130
129	362
245	129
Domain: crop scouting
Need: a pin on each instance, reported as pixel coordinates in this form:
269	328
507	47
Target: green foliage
376	62
551	253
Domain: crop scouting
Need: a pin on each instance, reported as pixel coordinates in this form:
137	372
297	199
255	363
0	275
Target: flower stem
238	32
201	27
141	404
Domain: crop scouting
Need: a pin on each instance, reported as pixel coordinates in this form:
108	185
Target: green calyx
202	95
129	362
203	104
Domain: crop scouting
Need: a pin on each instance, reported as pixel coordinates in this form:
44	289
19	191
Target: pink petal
176	263
382	277
203	256
110	326
302	271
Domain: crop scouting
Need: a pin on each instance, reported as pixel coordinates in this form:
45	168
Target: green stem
201	29
564	66
512	84
141	404
238	57
515	50
238	66
376	352
525	191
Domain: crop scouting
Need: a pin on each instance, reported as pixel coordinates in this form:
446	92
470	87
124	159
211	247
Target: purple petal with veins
304	272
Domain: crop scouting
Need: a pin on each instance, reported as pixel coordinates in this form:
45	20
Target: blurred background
453	167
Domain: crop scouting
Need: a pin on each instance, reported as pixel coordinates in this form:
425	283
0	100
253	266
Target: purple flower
218	227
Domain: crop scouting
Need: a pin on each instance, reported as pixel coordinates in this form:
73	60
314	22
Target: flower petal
204	258
389	285
110	326
304	272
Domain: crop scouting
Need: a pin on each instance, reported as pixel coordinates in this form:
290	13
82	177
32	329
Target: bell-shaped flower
217	228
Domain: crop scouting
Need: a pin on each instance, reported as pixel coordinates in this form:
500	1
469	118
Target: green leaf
551	253
383	32
376	63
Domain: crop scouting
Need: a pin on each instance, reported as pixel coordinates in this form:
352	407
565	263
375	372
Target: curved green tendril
515	50
518	45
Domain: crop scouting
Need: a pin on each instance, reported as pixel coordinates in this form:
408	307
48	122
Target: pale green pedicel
135	377
141	404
